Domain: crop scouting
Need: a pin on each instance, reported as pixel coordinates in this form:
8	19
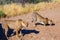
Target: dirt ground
40	32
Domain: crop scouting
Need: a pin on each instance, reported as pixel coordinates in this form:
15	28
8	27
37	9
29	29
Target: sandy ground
40	32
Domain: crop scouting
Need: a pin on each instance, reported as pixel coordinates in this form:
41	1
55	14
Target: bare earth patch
45	33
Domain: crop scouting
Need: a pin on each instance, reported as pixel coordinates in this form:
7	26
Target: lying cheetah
42	19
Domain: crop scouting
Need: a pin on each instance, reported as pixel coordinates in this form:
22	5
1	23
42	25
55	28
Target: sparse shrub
2	14
36	1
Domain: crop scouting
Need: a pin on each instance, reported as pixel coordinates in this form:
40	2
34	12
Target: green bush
2	14
36	1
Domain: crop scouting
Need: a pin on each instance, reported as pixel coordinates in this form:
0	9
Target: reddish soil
45	33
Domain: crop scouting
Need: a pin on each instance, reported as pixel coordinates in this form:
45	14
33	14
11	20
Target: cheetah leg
17	33
21	35
6	30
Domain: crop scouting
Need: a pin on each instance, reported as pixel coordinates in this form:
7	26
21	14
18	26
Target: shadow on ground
24	31
2	35
29	31
10	31
43	24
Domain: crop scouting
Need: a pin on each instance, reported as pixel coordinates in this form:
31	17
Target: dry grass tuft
17	9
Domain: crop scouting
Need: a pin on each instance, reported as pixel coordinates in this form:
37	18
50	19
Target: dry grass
56	0
17	9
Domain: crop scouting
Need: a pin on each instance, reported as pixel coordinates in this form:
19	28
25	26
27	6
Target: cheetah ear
46	18
20	19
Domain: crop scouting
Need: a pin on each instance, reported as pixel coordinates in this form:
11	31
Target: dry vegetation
56	0
17	9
